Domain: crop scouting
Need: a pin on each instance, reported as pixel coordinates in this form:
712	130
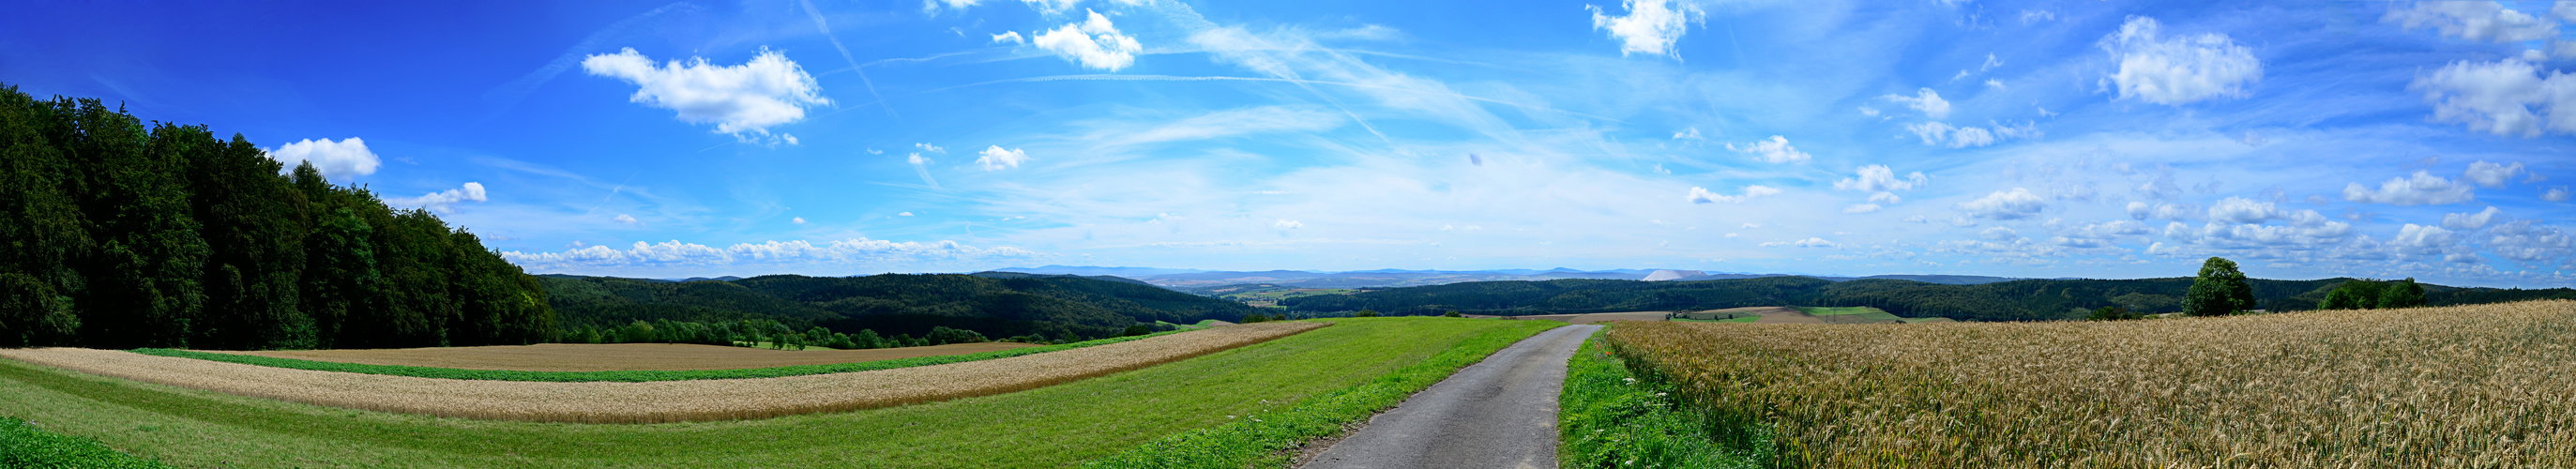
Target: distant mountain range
1198	280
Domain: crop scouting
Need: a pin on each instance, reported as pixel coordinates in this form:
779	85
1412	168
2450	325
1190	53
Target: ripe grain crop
620	357
659	401
537	354
2464	386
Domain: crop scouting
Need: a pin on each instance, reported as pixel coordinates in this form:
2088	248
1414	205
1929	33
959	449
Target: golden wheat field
2464	386
658	401
618	357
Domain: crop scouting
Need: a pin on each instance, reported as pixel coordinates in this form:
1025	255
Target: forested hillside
114	234
2019	300
1052	306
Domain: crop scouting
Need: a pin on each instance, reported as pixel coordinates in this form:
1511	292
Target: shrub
1365	313
1138	329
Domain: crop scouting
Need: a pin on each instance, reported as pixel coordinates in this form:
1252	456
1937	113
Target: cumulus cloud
2470	221
1878	178
2506	97
1688	134
1650	27
2474	20
1010	37
2491	174
2180	69
798	220
1702	196
1862	208
2529	242
2107	230
626	219
932	6
2014	204
1885	198
1925	100
1093	43
749	98
996	158
1804	243
443	201
1999	234
1775	150
2554	194
1286	224
1940	134
337	161
2421	189
930	148
2243	210
861	251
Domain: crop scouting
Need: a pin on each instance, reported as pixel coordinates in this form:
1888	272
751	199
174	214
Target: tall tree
2402	294
2219	290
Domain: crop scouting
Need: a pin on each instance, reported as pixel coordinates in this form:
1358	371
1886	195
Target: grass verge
1258	439
1610	417
635	376
1054	426
24	446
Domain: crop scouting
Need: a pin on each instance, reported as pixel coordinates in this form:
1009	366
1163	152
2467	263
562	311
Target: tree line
2021	300
761	333
119	234
1026	308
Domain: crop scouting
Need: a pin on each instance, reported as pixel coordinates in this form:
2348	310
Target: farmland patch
620	357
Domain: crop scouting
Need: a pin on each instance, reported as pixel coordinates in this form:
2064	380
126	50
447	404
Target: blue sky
2104	139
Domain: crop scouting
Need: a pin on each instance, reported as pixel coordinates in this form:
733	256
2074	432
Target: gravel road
1499	413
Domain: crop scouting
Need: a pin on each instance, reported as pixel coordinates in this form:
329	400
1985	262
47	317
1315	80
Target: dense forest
118	234
2020	300
992	304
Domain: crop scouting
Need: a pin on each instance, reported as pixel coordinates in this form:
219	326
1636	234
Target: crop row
657	401
2465	386
626	376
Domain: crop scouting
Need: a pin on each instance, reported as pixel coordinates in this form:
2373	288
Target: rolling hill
995	304
2017	300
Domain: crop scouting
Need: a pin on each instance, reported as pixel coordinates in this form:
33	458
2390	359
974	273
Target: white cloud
1993	83
2421	240
932	6
1286	224
443	201
2029	17
1010	37
2421	189
1688	134
996	158
1093	43
1651	26
2554	194
1869	111
2107	230
1925	100
2143	211
1999	234
2242	210
2470	221
798	220
2474	20
904	214
2491	174
2014	204
1702	196
749	98
1885	198
337	161
847	251
1938	134
1861	208
1804	243
2529	242
2506	97
1057	7
2181	69
1917	219
1775	150
930	148
1878	178
626	219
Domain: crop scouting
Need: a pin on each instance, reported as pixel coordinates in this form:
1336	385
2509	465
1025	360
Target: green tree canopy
2219	290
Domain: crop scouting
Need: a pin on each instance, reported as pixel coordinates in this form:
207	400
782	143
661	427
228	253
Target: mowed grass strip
624	376
658	401
1258	439
23	446
2464	386
1055	426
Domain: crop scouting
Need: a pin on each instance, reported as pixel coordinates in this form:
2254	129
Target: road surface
1496	414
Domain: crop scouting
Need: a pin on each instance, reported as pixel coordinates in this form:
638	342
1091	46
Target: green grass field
625	376
1873	314
1047	427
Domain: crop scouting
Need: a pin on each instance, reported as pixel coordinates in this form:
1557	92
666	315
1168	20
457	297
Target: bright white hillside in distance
2104	139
